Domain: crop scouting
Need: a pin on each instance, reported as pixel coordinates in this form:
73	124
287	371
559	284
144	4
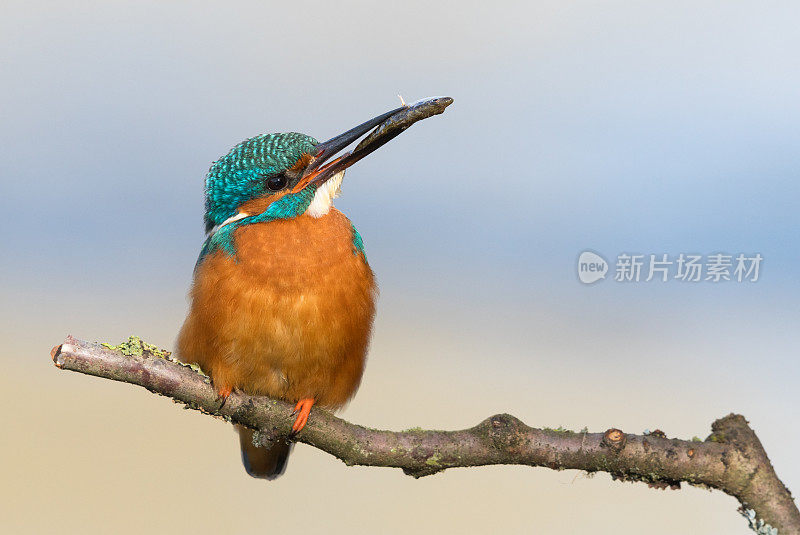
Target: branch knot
614	439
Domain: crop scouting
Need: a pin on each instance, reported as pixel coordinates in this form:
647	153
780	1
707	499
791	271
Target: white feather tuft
237	217
323	198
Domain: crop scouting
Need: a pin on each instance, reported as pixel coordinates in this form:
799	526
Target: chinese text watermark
684	267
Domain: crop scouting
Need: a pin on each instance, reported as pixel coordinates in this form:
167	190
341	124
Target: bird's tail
263	462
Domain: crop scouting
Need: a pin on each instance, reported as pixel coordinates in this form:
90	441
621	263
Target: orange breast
290	317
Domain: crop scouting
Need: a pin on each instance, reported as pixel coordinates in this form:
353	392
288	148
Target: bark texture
731	459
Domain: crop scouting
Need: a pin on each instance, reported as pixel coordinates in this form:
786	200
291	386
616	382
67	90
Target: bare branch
731	459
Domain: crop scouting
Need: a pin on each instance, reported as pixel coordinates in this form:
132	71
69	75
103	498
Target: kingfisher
283	298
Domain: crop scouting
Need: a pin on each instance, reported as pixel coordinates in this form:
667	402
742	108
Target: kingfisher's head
279	176
262	167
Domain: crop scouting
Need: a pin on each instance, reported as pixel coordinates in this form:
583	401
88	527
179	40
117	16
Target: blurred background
657	127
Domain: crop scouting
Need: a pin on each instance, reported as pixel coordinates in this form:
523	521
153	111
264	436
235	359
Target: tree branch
731	459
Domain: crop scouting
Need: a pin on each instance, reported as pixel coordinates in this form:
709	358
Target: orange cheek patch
260	204
301	163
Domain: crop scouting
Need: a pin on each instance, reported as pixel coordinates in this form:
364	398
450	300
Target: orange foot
302	409
222	395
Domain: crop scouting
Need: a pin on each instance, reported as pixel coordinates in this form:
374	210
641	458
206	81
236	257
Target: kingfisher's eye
276	183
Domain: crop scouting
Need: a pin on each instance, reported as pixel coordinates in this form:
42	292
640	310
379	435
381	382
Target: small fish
401	120
389	126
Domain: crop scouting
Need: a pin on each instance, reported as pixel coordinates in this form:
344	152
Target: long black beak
386	127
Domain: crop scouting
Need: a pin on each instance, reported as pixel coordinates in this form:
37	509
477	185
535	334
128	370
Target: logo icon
591	267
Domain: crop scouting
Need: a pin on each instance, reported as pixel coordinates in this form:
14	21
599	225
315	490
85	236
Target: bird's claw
302	410
222	395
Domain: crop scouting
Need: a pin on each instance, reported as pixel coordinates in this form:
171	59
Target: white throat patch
323	197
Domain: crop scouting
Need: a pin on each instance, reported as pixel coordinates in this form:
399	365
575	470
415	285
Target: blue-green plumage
241	174
358	243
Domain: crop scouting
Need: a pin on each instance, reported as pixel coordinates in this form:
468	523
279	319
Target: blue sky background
659	127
